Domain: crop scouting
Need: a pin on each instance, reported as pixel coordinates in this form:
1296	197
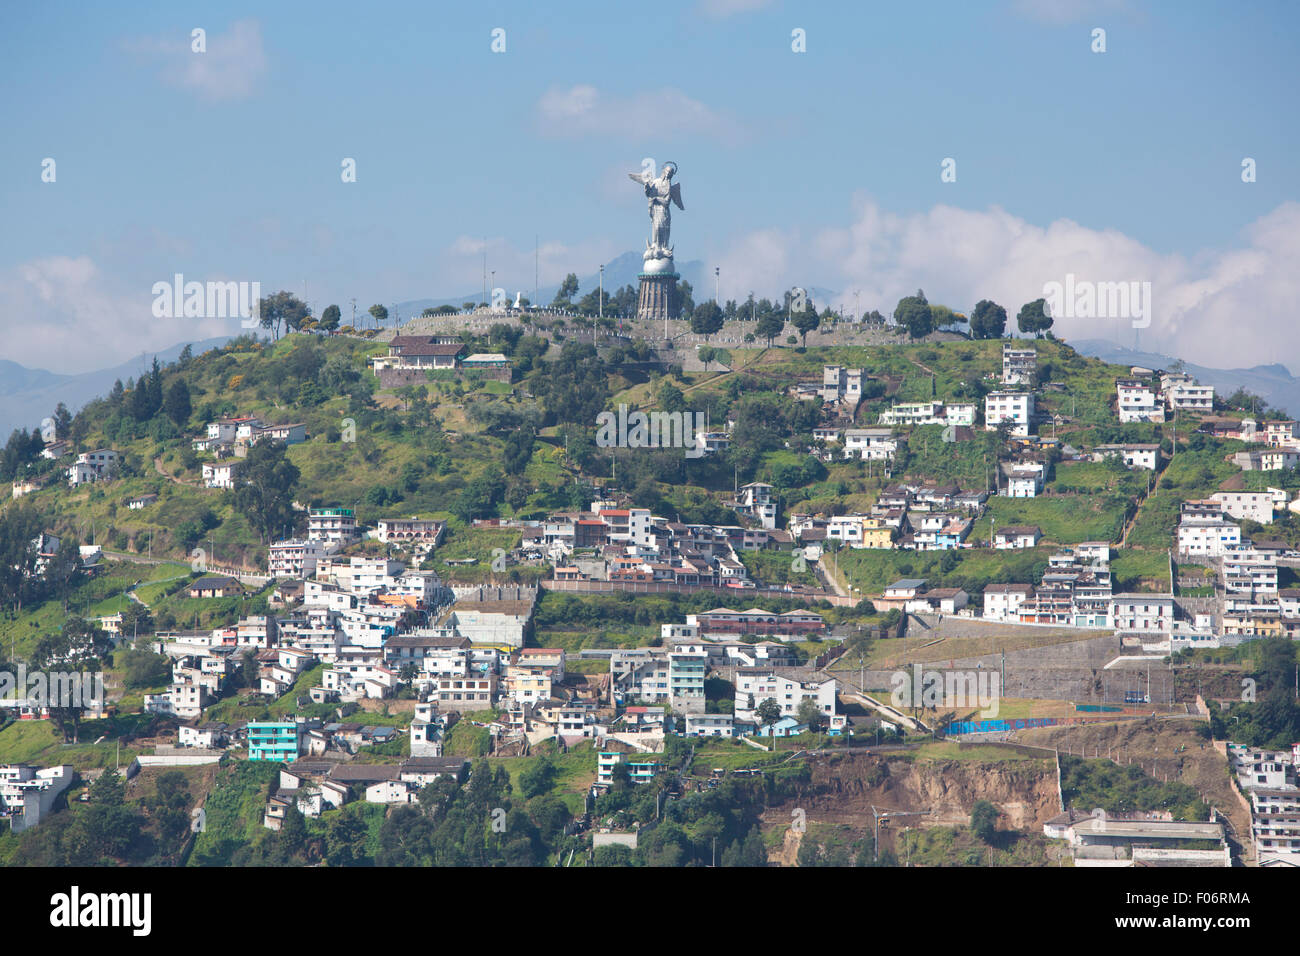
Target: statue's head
670	170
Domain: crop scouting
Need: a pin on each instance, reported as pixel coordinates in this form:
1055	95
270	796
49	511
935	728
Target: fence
1000	726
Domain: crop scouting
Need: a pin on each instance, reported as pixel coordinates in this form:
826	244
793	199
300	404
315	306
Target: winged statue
660	191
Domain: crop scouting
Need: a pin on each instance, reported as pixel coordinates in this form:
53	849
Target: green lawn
1064	519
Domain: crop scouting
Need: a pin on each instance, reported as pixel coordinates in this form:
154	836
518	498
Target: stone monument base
658	299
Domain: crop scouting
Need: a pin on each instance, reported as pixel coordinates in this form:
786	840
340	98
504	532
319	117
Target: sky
822	166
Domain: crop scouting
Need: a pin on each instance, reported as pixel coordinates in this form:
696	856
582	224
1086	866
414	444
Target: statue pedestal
658	298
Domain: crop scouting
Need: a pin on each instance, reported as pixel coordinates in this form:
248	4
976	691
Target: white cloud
462	267
230	68
64	314
1223	308
583	110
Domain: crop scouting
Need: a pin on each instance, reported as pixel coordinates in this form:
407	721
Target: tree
536	778
62	421
706	355
1033	318
769	327
568	289
671	398
943	316
265	489
806	321
768	714
685	299
988	320
282	308
913	313
809	713
707	319
177	403
984	820
329	319
379	313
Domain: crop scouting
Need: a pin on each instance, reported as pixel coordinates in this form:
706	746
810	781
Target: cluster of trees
1272	720
20	584
110	831
988	320
1088	784
264	495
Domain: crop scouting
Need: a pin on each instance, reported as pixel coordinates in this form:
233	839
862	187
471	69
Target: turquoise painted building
276	740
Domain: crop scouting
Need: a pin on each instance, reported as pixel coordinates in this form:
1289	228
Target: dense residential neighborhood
557	439
374	646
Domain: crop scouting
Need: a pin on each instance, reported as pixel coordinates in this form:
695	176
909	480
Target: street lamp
600	298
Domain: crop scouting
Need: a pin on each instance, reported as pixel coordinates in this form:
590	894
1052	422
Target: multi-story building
1248	570
1134	455
1190	397
640	769
1207	536
1024	479
409	531
1002	601
758	622
1138	401
221	474
95	465
1019	365
686	670
840	384
755	685
295	558
1143	613
278	740
338	525
1283	433
874	444
1254	506
1014	408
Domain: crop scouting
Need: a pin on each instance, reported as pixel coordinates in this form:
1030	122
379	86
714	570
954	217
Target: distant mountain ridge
619	272
28	395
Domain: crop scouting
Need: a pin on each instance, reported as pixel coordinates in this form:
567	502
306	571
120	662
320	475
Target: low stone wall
400	377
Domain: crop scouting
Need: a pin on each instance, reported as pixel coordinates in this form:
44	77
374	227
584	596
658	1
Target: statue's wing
637	178
675	194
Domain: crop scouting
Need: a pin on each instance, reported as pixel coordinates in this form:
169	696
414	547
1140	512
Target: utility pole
600	296
717	285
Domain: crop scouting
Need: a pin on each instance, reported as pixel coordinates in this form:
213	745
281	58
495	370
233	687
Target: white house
1133	455
1207	536
220	474
1143	613
1138	401
1002	601
1013	537
753	686
1015	408
93	466
1025	479
1254	506
870	443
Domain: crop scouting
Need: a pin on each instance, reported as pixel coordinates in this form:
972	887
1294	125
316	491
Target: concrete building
1019	365
1014	408
1138	401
